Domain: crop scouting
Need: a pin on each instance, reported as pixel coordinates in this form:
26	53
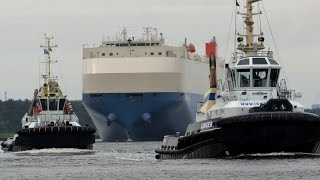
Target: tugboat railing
240	55
54	117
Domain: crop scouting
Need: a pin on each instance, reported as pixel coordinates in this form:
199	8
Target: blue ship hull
141	116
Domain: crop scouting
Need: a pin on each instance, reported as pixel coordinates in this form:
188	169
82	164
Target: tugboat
50	121
252	113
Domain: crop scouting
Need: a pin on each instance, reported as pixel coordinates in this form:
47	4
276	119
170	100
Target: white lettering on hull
251	103
206	125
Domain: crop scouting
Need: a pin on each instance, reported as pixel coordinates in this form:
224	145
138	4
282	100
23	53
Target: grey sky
294	23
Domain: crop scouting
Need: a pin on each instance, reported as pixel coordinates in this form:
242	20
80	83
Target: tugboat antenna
250	47
47	50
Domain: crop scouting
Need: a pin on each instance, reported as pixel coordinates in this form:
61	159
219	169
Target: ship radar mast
250	47
47	48
124	34
147	31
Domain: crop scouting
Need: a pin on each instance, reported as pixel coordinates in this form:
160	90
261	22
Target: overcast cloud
73	23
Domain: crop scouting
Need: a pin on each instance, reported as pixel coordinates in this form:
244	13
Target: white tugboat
50	121
253	113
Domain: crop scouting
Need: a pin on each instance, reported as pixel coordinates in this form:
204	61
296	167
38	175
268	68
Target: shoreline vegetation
12	111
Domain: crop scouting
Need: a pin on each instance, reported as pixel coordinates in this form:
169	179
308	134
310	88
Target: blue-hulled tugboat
253	112
50	121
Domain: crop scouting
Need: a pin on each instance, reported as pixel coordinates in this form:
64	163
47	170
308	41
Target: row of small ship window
151	53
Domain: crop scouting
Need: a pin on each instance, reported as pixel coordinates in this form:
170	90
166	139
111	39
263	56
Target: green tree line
12	111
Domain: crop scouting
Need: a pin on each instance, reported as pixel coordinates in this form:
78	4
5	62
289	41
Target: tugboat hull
272	138
251	134
51	137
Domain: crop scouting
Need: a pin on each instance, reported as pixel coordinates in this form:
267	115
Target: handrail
64	117
240	55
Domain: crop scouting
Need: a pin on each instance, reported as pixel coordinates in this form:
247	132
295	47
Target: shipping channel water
135	160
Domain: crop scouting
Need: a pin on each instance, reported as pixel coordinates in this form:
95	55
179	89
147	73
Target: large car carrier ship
142	89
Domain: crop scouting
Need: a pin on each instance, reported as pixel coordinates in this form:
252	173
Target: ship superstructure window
159	53
260	77
152	53
244	62
259	61
44	104
110	54
244	77
122	45
103	54
53	104
61	104
274	77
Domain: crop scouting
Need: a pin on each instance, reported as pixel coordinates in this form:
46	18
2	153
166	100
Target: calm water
135	160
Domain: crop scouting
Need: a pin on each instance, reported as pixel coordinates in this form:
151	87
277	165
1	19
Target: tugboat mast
47	50
250	47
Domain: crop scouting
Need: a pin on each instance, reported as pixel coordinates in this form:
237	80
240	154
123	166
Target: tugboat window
259	61
44	104
61	104
274	77
244	62
53	104
233	76
272	61
244	77
260	77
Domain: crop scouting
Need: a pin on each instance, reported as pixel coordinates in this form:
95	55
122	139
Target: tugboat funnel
211	93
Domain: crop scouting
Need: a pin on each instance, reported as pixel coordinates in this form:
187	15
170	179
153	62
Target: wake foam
282	155
55	152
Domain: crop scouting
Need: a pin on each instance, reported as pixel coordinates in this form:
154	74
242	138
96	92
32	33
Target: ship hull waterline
51	137
268	133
